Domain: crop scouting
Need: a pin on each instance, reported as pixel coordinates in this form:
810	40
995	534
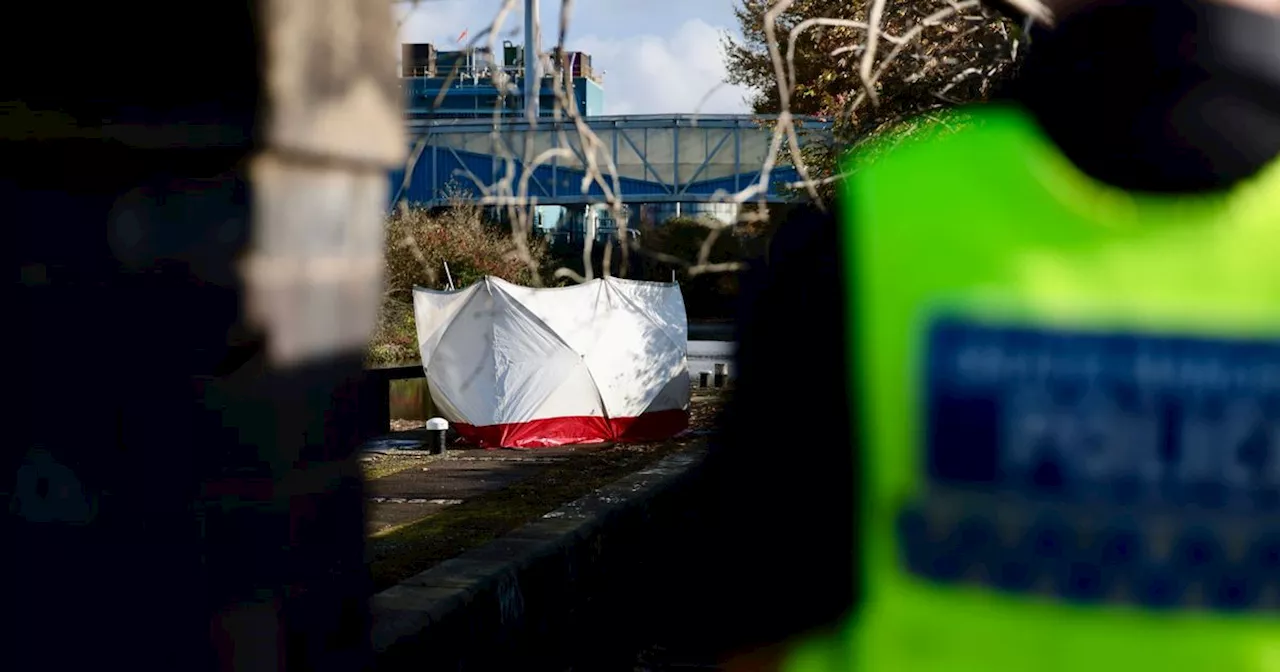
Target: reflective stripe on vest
1070	408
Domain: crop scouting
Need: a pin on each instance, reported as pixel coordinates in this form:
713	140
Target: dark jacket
1156	96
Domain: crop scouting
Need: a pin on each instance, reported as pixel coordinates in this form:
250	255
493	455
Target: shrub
395	338
419	243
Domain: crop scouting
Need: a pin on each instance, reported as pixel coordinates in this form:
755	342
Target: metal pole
532	82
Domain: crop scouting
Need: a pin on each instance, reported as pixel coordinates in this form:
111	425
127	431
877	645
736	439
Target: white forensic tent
518	367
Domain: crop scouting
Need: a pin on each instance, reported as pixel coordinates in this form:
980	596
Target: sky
657	56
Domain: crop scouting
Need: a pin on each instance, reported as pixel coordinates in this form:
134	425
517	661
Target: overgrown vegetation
419	245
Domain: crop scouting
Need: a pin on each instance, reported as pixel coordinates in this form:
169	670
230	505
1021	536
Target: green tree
930	56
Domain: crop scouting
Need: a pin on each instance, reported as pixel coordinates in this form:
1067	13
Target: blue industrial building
460	84
664	165
480	98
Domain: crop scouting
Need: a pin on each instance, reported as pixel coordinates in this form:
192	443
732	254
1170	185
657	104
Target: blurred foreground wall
191	196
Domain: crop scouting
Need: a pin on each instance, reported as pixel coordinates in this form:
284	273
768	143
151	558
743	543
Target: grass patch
405	551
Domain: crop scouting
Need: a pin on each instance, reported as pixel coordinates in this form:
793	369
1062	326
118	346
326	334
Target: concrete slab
450	479
386	515
508	596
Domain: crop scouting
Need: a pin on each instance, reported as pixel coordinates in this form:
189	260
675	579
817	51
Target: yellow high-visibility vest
1069	400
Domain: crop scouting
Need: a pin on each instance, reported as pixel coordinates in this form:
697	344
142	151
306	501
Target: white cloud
439	23
653	65
653	74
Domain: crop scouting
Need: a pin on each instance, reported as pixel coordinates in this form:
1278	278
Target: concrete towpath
424	484
424	509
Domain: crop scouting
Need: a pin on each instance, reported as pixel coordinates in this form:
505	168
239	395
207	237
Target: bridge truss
666	158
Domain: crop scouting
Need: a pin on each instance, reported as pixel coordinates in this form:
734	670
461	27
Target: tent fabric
519	367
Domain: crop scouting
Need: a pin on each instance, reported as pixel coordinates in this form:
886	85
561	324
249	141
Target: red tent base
577	430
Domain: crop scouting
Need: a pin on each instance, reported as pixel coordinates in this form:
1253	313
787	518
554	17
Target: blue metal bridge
659	158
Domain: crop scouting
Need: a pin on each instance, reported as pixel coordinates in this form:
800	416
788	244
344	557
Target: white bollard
436	430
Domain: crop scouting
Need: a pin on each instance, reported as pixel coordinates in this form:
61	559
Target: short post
436	430
703	378
721	374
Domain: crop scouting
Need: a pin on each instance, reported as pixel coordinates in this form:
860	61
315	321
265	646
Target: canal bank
586	586
582	587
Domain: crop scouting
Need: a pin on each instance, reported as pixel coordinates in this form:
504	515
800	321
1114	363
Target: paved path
428	484
431	483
